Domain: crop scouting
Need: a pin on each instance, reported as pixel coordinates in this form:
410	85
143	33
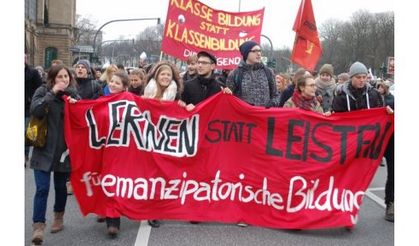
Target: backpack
238	77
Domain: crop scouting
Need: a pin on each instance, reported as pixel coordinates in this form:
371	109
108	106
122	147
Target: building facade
49	31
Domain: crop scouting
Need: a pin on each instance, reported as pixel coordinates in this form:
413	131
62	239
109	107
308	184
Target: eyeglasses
203	62
255	51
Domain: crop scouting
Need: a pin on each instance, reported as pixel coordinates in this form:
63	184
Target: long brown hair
175	74
53	72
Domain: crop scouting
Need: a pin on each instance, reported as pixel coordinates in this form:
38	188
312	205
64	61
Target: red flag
307	48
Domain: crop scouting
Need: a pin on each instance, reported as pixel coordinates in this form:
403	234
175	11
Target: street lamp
271	62
119	20
270	42
116	40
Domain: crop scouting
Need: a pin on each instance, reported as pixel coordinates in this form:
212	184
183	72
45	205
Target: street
371	229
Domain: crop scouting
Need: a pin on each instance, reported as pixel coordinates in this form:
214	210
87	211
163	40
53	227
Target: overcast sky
277	24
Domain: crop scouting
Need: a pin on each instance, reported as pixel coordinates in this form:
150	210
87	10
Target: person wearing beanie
326	87
205	84
252	81
246	47
88	88
84	63
357	68
356	93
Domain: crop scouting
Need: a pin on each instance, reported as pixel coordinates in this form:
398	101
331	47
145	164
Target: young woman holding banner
48	101
163	84
118	83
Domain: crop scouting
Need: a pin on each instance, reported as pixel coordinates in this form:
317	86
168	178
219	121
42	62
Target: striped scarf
302	102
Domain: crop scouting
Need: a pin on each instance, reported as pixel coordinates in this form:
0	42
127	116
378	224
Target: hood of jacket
346	88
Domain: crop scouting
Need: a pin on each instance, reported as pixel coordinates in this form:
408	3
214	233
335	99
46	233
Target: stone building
49	31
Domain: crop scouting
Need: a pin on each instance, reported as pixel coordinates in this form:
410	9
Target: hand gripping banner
225	161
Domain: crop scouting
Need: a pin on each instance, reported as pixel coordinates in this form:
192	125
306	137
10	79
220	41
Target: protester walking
164	83
191	71
87	88
106	77
118	83
304	96
252	81
289	90
388	99
53	156
137	81
205	84
32	81
326	85
356	93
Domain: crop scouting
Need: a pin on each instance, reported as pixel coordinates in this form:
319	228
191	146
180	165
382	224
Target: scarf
169	93
326	86
302	102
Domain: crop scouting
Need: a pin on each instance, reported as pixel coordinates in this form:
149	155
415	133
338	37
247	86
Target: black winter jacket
54	155
199	88
88	88
348	98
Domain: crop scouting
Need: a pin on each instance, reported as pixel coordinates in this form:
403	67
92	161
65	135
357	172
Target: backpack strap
238	77
272	86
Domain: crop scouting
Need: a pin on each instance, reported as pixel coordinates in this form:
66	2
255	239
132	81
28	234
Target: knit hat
210	56
246	47
85	63
357	68
326	68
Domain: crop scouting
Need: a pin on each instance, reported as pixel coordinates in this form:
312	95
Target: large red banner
192	26
225	161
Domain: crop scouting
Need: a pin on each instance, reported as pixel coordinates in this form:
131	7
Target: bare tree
366	37
84	32
149	41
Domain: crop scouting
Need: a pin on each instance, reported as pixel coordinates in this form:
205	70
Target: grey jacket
255	88
54	155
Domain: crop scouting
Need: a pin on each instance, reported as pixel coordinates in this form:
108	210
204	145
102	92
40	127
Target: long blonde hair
107	75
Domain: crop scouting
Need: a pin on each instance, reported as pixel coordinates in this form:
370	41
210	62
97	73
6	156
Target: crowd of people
252	81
